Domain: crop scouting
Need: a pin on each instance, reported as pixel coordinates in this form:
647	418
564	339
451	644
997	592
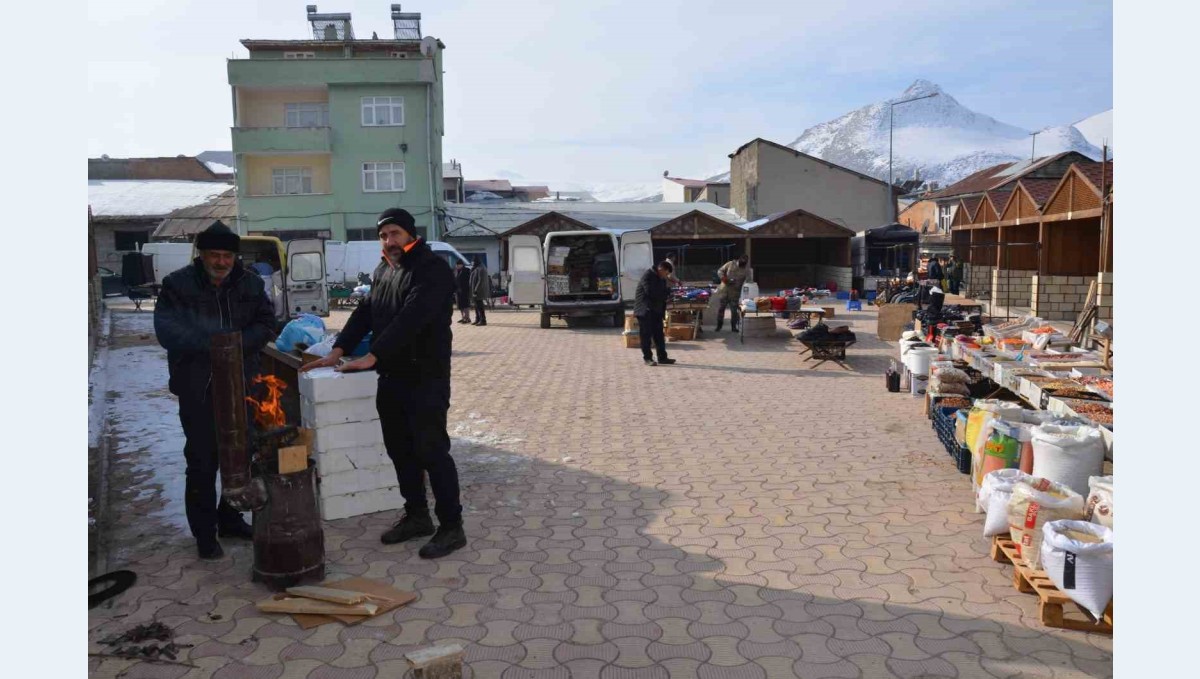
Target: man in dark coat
408	314
481	290
213	294
934	271
462	291
650	308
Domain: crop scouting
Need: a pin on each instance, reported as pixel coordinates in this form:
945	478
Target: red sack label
1031	513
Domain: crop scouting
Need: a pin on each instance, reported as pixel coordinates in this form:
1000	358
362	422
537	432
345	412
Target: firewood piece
293	459
313	607
337	596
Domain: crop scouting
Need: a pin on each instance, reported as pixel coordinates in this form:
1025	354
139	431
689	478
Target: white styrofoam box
357	480
348	435
326	384
315	414
357	504
345	459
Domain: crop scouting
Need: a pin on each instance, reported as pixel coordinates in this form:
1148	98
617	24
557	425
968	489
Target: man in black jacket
213	294
408	313
650	307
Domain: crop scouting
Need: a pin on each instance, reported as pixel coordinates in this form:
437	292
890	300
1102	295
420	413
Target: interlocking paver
778	534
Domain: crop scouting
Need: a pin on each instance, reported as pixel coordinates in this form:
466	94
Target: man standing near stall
408	313
213	294
650	308
733	276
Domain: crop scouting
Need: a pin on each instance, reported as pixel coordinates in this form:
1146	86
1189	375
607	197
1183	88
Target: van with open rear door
297	285
573	274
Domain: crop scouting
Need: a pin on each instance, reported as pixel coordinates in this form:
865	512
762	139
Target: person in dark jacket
408	314
462	291
481	290
934	271
650	308
954	272
213	294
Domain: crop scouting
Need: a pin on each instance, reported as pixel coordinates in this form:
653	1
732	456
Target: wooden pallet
1054	608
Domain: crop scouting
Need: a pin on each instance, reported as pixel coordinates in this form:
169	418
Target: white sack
1078	557
994	495
1099	507
1034	502
1068	454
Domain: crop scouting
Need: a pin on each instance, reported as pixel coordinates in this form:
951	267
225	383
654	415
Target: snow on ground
479	451
136	197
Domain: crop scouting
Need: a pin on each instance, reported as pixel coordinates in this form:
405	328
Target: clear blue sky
612	90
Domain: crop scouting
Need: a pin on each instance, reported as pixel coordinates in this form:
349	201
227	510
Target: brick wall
978	280
1104	310
1012	288
1060	298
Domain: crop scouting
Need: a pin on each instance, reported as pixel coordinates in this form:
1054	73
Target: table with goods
1027	414
800	307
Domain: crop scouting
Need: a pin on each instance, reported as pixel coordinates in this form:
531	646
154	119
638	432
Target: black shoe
650	362
446	540
719	326
482	324
407	528
236	529
733	329
210	549
666	361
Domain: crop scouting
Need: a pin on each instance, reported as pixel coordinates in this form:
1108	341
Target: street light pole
891	118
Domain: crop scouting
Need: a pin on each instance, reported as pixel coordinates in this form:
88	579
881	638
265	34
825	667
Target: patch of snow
1097	129
147	198
220	168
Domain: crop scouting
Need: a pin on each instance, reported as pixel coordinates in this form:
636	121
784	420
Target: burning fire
268	413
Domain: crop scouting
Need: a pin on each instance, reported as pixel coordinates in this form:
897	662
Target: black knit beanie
218	237
400	218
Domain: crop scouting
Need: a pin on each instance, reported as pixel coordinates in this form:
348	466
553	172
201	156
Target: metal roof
188	221
495	217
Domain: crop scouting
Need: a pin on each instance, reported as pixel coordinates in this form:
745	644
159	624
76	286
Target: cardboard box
892	319
681	333
632	341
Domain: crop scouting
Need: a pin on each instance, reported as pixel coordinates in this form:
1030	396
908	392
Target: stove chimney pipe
241	491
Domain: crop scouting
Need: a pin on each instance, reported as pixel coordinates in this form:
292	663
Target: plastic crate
962	458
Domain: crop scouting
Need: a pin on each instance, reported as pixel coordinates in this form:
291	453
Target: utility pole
1033	145
891	119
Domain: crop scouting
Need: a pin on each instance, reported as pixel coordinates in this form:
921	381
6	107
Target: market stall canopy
797	224
185	223
891	234
509	218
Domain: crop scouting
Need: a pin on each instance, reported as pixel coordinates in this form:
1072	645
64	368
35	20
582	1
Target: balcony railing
281	140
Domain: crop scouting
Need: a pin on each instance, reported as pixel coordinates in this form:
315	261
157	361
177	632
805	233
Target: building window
299	55
128	241
945	217
383	177
291	180
382	111
307	115
361	234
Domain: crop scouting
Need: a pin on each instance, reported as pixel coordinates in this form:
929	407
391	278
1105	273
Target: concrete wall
107	254
1060	298
1105	304
978	280
921	216
267	108
673	192
766	180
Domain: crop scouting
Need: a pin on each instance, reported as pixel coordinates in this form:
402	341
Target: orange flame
268	413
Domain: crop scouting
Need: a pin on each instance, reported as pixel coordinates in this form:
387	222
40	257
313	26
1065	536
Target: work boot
720	324
666	361
237	528
409	527
446	540
209	549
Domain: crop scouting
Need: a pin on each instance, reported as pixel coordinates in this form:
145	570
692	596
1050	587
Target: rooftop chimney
407	25
332	27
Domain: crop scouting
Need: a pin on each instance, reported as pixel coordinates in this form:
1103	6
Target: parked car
111	283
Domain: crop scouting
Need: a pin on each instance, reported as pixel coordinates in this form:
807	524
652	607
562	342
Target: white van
578	273
345	260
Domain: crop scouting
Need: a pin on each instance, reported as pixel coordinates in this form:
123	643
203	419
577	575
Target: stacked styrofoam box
357	477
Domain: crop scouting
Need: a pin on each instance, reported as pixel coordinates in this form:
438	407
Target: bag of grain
993	498
1078	558
1035	501
1068	454
1099	507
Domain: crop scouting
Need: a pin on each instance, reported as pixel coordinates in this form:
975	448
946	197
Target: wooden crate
1055	609
632	341
892	319
680	333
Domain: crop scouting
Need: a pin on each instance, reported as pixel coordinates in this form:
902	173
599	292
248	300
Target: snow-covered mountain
1098	129
604	192
938	136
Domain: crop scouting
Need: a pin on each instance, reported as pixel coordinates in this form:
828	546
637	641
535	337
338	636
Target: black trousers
204	513
414	431
650	328
733	312
480	317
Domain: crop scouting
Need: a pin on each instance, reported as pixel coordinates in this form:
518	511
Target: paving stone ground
735	515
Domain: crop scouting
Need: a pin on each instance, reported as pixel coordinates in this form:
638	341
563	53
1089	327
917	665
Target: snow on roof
220	168
147	197
451	171
694	183
494	217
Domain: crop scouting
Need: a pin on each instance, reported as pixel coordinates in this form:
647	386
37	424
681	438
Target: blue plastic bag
305	329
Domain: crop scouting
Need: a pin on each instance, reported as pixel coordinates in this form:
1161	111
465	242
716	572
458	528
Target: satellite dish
428	45
666	173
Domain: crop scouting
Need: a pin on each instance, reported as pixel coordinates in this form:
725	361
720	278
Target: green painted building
332	130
